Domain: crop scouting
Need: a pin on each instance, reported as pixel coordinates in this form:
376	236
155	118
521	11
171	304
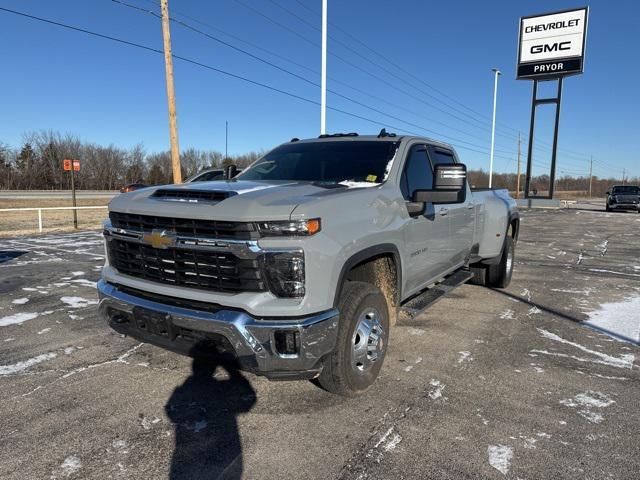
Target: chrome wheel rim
367	343
509	260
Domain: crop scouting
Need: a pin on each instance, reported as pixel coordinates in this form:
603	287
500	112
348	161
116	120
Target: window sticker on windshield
371	178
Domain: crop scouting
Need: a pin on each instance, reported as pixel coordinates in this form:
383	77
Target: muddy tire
363	334
499	275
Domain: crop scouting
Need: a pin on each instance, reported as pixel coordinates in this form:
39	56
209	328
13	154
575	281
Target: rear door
461	215
425	235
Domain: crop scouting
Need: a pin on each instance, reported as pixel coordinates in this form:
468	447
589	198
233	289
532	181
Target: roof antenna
383	133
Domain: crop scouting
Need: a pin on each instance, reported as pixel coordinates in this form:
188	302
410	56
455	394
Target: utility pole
493	123
590	174
171	96
323	80
226	139
518	178
623	172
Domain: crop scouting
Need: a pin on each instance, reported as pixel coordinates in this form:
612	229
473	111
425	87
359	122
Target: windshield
330	162
629	189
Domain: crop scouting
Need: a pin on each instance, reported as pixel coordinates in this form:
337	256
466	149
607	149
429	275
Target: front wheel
363	334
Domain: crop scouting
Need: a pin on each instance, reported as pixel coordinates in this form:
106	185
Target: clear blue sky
109	93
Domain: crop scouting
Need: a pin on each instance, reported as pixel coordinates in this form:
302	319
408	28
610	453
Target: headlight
285	273
282	228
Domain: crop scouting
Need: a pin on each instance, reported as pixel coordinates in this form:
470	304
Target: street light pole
493	123
323	80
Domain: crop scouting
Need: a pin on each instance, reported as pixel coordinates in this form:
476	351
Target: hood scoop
191	196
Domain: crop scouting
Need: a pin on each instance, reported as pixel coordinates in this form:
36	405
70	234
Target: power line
367	72
310	82
209	67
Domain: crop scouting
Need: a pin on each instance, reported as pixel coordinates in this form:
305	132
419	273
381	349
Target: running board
415	306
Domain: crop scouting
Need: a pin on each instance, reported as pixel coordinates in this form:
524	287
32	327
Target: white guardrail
40	209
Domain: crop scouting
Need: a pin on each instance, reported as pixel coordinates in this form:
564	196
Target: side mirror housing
230	171
449	186
608	193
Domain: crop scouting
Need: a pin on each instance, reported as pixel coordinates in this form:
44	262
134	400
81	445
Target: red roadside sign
66	164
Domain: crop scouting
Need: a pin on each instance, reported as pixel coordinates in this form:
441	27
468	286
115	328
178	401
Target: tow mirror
230	171
449	185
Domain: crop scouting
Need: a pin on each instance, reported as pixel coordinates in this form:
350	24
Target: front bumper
252	341
624	206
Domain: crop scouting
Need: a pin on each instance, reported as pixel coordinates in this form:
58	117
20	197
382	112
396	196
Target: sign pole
518	177
73	195
493	124
323	74
527	178
555	139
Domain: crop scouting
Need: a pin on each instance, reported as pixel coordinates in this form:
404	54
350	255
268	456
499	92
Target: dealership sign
552	45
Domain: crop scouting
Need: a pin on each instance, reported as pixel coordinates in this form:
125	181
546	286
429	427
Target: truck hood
245	199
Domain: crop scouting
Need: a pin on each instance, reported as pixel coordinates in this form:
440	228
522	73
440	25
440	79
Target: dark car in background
623	197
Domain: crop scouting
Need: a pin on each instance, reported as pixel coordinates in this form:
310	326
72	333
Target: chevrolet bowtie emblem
160	239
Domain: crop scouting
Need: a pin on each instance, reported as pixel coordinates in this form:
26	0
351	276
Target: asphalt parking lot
486	384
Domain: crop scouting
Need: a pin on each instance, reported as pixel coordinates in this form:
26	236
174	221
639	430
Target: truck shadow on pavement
203	411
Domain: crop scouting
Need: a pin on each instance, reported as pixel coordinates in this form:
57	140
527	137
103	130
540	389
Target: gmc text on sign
552	45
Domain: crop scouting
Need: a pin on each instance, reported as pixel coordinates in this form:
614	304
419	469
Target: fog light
287	342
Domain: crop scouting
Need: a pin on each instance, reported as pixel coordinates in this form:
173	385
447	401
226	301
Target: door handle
444	211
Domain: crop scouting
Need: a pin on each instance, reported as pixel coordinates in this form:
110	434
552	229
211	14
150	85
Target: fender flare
366	254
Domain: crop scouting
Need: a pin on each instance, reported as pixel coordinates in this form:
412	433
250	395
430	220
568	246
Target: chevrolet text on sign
552	45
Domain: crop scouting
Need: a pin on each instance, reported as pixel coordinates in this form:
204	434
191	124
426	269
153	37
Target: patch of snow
437	387
69	350
593	417
10	339
500	457
614	272
389	444
71	465
20	301
78	302
465	357
352	184
85	282
77	274
620	318
17	319
119	444
25	364
408	368
507	314
44	330
415	331
586	402
623	361
147	423
29	289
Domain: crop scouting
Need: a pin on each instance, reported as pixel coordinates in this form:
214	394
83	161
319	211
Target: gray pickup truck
298	267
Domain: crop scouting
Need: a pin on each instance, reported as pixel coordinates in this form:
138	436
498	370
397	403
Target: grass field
26	223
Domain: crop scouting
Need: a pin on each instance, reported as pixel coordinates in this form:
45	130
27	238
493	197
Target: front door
461	215
426	236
